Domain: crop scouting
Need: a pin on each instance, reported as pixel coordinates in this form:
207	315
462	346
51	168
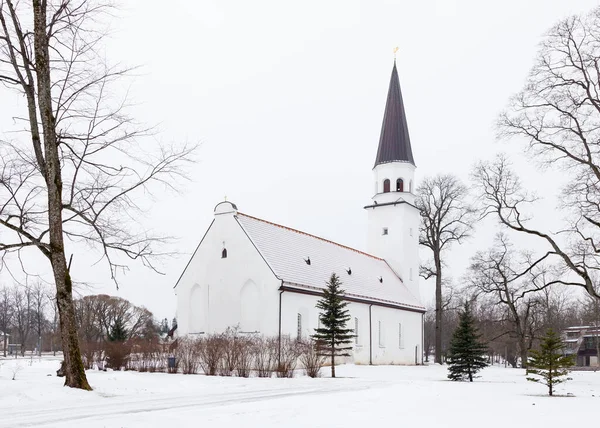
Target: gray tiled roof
286	250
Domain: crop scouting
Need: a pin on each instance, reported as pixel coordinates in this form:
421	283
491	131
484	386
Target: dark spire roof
394	142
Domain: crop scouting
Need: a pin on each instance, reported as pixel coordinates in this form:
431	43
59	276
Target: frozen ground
363	397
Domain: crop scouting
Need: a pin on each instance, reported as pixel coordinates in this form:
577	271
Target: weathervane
225	198
396	50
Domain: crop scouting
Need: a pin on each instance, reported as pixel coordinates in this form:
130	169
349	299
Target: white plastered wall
211	290
389	351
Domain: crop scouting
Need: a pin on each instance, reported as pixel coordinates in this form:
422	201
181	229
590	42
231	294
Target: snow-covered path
364	396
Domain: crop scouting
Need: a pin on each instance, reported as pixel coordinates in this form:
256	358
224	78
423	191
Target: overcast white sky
287	100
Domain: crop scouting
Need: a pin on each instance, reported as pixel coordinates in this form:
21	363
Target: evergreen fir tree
333	336
467	353
118	332
164	326
549	363
117	348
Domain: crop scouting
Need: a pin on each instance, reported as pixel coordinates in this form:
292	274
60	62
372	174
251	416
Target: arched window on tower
410	189
399	185
386	185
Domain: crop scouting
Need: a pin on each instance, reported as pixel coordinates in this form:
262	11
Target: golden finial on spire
226	198
396	49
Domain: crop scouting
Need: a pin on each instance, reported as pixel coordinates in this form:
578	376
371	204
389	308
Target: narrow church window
224	253
356	331
410	186
400	338
385	231
299	326
399	185
381	341
386	185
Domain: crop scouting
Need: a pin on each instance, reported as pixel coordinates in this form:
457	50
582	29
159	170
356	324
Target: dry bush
117	354
265	355
89	351
288	357
245	345
189	354
231	352
211	353
309	357
153	355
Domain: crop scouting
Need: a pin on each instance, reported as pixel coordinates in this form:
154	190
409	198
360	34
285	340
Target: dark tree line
551	308
28	316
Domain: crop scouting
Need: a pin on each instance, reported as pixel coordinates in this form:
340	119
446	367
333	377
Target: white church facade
267	278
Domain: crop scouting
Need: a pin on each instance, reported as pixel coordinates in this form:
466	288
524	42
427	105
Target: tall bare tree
23	316
40	299
502	195
6	315
75	174
447	218
512	281
557	113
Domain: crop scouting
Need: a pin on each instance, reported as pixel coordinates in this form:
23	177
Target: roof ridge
312	236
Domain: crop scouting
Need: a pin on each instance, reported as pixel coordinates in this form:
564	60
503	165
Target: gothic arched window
386	185
224	253
399	185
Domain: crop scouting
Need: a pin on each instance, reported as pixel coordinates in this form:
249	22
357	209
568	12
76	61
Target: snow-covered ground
362	397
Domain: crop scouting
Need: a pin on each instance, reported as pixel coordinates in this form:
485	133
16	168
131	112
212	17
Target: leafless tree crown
108	161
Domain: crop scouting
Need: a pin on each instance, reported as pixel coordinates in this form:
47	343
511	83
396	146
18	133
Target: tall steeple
393	232
394	142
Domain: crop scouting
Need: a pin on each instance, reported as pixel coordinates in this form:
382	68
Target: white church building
267	278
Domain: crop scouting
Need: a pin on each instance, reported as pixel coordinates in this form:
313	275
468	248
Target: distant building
267	278
582	341
4	337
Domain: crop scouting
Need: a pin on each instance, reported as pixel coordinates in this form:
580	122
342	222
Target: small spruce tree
467	353
549	363
333	336
118	332
117	349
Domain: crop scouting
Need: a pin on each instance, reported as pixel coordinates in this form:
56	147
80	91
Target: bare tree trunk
332	363
523	351
438	309
74	370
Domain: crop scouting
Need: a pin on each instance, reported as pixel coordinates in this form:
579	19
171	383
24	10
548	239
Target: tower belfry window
399	185
224	253
386	185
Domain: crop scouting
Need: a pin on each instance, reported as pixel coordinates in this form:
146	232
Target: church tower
393	218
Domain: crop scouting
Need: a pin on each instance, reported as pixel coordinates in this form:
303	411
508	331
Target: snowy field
363	397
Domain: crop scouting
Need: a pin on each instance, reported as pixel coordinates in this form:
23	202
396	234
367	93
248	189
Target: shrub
310	358
211	353
189	352
231	350
117	354
265	355
288	357
89	353
245	355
